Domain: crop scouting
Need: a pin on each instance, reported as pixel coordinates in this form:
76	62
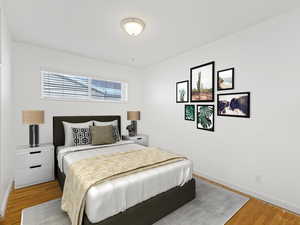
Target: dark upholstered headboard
58	128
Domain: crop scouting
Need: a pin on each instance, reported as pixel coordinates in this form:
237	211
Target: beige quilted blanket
88	172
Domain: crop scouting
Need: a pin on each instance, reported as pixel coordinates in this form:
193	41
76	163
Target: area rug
212	206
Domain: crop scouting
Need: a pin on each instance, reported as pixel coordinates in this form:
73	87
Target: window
63	86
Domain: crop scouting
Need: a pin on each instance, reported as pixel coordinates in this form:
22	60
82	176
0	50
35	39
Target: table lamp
33	118
132	128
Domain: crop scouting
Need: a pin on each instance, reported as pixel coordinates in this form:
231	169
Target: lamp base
132	128
33	135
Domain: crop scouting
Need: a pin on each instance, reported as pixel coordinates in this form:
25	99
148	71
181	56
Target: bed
138	199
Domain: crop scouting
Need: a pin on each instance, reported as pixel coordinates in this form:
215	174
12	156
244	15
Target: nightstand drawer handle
37	152
139	138
32	167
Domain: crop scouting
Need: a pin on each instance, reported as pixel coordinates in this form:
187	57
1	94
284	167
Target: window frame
124	89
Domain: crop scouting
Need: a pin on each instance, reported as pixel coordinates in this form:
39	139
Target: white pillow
113	123
68	130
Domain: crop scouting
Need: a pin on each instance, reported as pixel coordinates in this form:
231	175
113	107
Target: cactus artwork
182	91
181	94
199	82
202	83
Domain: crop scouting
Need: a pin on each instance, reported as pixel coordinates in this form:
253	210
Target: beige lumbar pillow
102	135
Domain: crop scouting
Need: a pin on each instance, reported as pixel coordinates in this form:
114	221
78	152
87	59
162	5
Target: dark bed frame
144	213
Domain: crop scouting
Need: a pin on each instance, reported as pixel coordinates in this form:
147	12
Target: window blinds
62	86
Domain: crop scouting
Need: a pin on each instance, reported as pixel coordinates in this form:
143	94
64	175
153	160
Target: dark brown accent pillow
102	135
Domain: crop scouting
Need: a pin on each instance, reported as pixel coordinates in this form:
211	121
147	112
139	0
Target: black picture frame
187	91
212	97
185	112
244	109
218	79
212	129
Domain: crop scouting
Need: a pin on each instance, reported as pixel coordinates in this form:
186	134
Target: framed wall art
225	79
202	82
182	91
189	112
206	117
234	104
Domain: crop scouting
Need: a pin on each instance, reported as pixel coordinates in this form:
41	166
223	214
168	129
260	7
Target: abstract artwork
182	91
206	117
226	79
189	112
202	82
234	104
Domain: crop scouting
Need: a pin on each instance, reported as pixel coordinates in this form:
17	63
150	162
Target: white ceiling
92	27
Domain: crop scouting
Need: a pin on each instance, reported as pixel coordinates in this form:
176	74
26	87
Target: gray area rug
212	206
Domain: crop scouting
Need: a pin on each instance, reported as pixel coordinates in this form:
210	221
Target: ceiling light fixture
133	26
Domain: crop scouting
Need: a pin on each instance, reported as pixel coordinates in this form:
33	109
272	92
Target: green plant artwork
190	112
205	117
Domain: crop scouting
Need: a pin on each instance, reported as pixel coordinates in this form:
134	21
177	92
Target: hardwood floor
258	212
255	212
27	197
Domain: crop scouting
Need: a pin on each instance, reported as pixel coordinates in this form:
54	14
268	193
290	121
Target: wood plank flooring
258	212
255	212
27	197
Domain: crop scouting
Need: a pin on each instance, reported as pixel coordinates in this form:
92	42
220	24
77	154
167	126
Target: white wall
30	60
6	111
258	155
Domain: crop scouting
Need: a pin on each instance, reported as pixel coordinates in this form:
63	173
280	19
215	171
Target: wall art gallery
201	88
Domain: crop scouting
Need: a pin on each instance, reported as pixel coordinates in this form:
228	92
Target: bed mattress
112	197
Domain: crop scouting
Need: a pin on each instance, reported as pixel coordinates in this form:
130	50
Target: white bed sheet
68	155
112	197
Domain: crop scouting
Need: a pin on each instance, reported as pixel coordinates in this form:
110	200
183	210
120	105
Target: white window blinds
63	86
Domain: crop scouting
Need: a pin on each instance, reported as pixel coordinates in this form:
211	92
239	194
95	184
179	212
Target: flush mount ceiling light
133	26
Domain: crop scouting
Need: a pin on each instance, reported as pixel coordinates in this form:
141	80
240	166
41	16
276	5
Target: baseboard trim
263	197
3	205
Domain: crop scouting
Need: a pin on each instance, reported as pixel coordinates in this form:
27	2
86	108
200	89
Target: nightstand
34	165
141	139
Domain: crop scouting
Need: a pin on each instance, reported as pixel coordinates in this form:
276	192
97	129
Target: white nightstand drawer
34	175
34	165
29	158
